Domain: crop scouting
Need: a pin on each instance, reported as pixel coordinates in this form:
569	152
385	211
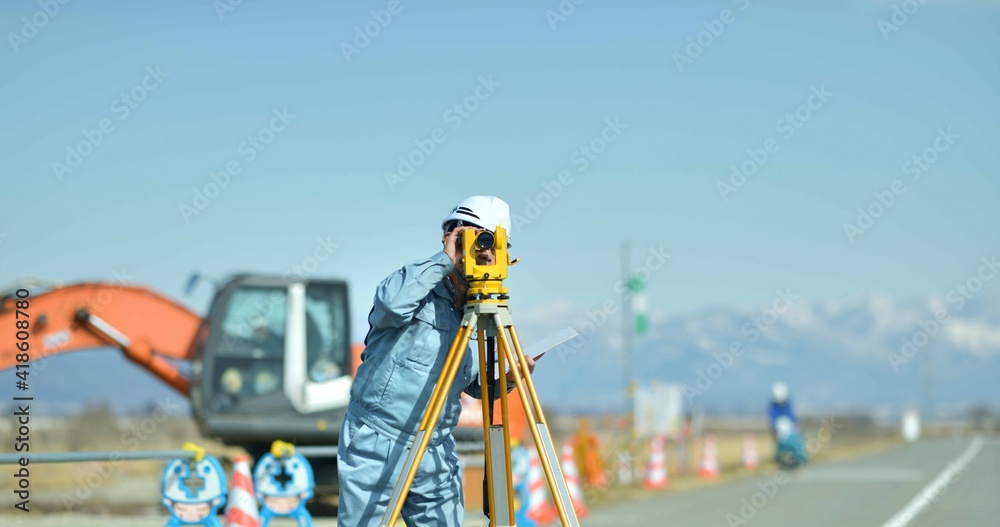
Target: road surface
929	483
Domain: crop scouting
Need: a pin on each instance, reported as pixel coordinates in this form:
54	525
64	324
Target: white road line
930	492
858	475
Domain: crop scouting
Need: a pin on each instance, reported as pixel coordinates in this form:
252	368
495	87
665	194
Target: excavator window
254	323
249	357
327	346
249	362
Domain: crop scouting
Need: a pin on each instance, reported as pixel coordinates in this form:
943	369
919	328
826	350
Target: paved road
930	483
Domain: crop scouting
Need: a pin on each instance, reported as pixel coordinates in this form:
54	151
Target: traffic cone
241	508
709	459
656	471
750	459
539	508
572	478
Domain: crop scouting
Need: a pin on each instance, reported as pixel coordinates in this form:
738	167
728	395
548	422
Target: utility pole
627	330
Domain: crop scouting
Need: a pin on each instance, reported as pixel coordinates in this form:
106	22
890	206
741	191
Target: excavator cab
273	354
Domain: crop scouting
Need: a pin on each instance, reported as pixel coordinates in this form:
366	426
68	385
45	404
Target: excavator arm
147	327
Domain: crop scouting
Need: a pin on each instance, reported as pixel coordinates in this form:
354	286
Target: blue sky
553	86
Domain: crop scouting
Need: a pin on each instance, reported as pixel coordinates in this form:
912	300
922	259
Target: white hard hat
779	392
485	212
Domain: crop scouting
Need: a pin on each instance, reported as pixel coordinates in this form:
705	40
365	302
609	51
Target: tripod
486	312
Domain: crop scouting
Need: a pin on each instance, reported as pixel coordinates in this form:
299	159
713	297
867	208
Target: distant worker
789	450
781	405
587	450
416	315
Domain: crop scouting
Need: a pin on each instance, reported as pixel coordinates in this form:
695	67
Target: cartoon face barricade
193	491
283	486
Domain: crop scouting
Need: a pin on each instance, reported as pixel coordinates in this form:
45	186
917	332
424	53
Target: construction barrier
573	480
750	459
241	511
540	510
193	489
656	471
709	459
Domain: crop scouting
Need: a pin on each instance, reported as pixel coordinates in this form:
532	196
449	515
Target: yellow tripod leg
505	423
485	399
496	436
431	414
539	430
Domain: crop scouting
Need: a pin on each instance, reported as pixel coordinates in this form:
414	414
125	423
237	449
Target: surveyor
416	316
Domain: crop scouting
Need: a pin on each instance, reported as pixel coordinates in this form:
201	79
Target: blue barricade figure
193	490
284	482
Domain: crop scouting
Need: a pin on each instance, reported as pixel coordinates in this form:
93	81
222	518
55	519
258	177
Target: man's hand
453	244
531	368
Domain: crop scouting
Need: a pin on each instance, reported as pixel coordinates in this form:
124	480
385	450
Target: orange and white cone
709	459
540	510
656	471
750	458
241	507
572	478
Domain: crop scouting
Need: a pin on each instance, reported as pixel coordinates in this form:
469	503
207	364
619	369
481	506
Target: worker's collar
445	290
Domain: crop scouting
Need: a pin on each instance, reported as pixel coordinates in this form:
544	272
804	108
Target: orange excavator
272	358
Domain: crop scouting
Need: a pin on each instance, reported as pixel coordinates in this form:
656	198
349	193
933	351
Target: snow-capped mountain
866	353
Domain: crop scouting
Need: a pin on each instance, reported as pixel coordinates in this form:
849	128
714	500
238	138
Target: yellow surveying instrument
486	312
